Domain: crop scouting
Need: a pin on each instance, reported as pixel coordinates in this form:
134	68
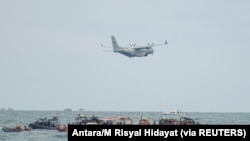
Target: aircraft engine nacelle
144	52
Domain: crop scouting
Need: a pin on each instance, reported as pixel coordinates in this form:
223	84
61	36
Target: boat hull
38	126
8	129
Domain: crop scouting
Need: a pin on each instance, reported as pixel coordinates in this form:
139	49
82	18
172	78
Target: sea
12	118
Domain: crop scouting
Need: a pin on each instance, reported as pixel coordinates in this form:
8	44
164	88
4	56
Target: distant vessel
81	110
67	109
175	112
10	109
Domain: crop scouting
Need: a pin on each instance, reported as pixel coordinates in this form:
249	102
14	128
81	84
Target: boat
81	110
10	109
15	129
85	120
68	109
116	121
44	123
39	126
176	117
10	129
188	121
174	112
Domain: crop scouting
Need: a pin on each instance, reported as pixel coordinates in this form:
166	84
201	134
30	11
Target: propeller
132	45
150	44
102	45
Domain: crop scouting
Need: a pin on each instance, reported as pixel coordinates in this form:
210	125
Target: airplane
134	51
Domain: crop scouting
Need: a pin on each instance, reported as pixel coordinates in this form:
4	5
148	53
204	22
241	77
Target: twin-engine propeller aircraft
134	51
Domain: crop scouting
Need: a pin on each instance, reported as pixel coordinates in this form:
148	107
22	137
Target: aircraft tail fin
115	44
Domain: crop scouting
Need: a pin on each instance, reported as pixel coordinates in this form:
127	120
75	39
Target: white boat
176	117
175	112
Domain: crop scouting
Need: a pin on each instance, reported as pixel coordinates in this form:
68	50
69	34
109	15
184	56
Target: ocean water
13	118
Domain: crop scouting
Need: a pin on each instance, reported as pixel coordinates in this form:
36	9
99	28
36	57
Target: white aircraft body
134	51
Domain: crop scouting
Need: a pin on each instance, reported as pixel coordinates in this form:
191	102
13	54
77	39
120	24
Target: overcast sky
51	57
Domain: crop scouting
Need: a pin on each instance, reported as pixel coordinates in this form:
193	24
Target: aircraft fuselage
133	52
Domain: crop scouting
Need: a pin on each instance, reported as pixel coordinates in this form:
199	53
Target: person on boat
65	128
58	127
18	128
143	122
25	128
53	123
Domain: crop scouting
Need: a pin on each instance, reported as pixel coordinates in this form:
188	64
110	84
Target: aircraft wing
150	45
153	45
